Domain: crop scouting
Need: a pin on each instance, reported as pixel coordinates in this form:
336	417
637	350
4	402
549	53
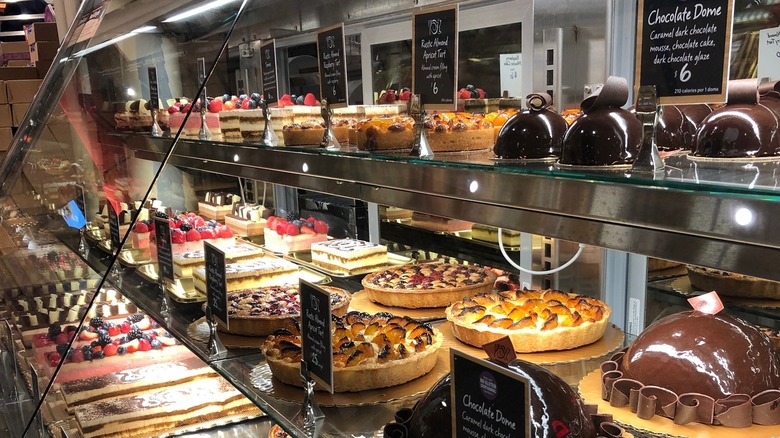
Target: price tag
683	49
511	78
268	63
316	333
216	283
333	65
435	57
154	93
162	237
202	80
769	54
488	400
113	224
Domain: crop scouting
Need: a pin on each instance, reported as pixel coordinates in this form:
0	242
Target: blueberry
213	223
88	355
298	223
255	97
156	345
225	98
97	355
470	87
94	343
299	100
121	350
123	340
251	104
155	324
242	96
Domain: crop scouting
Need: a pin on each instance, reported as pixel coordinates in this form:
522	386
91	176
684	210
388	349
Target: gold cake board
362	303
590	391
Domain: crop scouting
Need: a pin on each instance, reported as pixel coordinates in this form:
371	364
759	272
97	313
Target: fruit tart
456	132
534	320
261	311
427	285
385	133
369	351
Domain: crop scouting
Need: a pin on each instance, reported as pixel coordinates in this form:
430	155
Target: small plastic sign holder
329	140
420	148
204	133
36	394
269	136
14	393
215	346
154	100
648	111
310	418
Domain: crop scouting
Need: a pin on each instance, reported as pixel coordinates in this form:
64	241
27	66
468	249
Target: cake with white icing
348	255
262	272
184	263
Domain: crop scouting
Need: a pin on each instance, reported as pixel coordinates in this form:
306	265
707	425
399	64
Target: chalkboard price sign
333	65
216	283
683	49
162	237
488	399
316	333
435	57
154	92
268	61
113	224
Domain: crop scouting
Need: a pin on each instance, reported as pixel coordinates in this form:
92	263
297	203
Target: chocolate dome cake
535	133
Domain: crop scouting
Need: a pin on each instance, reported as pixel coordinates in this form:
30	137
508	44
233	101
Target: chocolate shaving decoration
614	94
538	101
738	410
743	91
769	87
766	408
395	430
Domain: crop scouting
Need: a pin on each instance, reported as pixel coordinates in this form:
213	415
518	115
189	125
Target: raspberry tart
369	351
534	320
261	311
427	285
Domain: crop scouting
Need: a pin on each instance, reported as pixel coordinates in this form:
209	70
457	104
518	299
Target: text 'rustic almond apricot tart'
369	351
534	320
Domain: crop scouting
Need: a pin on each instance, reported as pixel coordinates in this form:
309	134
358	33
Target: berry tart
262	311
534	320
369	351
293	233
427	285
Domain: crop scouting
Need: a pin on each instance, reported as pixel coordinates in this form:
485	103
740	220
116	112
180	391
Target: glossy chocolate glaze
601	137
531	134
716	355
738	131
771	100
669	131
552	401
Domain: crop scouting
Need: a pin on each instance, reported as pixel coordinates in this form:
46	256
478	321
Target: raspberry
140	227
144	345
193	236
54	358
225	233
178	236
281	227
110	350
207	234
198	221
125	327
320	227
291	230
62	338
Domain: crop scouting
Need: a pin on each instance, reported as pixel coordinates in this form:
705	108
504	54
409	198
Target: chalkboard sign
683	49
268	62
216	282
113	224
435	57
154	93
333	65
316	333
488	399
162	237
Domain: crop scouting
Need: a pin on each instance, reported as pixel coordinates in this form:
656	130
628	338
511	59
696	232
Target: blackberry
106	325
135	317
54	330
134	333
97	355
62	349
293	215
96	322
70	329
185	227
160	214
88	354
94	343
85	349
104	339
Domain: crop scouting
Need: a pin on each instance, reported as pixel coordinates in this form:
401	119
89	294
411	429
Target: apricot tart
427	285
534	320
369	351
455	132
261	311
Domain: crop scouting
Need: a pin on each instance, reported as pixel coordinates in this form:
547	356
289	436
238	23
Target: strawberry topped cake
178	111
187	233
293	233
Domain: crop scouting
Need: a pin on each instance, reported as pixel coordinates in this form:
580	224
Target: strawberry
228	106
174	109
125	327
151	225
198	221
193	235
391	96
208	233
215	105
321	227
291	230
464	94
152	235
382	97
306	230
132	346
482	93
405	95
62	338
117	341
224	233
144	345
192	214
110	350
269	223
140	227
87	335
280	227
186	108
166	341
114	330
178	236
311	220
310	100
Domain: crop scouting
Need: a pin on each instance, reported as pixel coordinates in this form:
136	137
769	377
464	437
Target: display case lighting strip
196	11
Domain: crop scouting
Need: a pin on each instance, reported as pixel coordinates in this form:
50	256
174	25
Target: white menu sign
769	54
511	73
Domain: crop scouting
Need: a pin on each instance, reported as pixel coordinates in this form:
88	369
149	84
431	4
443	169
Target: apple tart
534	320
369	351
427	285
261	311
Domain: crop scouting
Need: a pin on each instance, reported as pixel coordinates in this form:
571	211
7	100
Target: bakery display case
153	124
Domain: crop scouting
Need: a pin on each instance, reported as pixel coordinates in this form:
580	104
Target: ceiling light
196	11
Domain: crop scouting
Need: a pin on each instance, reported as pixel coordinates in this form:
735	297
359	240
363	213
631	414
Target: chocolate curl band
738	410
613	94
769	87
538	101
743	91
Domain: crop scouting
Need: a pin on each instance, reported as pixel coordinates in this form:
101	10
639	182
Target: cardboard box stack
22	65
